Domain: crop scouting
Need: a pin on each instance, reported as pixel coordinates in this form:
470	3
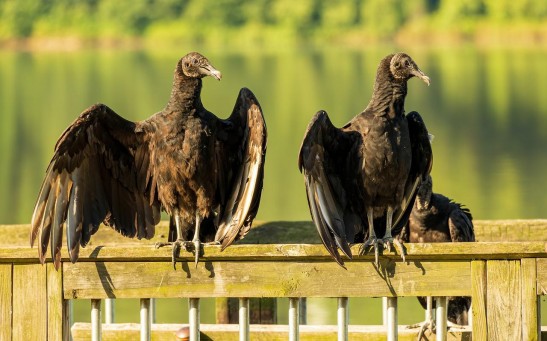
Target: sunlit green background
486	106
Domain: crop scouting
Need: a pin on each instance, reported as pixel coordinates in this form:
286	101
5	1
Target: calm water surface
486	108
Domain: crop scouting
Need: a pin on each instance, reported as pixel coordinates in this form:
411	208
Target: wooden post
392	326
530	311
441	309
244	319
6	301
193	318
478	299
145	319
293	319
343	318
29	314
262	310
57	307
504	300
96	320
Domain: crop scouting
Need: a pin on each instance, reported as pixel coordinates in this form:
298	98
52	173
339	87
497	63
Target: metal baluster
392	326
343	318
95	320
244	319
109	310
293	319
441	308
193	318
384	311
145	319
153	310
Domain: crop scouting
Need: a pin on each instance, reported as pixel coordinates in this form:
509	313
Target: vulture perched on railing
369	170
205	172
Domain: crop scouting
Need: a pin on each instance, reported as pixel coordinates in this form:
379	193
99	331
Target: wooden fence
505	280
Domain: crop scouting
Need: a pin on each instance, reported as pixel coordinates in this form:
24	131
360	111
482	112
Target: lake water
486	108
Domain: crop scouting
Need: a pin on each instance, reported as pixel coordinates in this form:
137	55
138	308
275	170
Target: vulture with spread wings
361	179
205	172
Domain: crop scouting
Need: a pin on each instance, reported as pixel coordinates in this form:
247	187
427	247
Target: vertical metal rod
293	318
343	318
193	318
153	310
384	311
95	320
441	324
68	328
145	319
244	319
470	317
392	326
109	310
303	310
429	308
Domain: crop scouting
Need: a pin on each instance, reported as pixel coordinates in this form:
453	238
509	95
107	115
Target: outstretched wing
100	171
422	162
240	153
328	173
460	223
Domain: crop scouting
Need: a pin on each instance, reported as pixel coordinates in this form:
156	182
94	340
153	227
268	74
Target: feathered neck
185	93
388	96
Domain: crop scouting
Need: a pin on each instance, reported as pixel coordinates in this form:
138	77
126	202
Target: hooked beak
418	73
211	71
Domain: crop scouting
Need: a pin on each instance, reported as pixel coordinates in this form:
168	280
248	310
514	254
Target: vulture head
403	67
194	65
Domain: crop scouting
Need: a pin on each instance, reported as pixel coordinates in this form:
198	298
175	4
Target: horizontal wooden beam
229	332
295	232
264	279
289	252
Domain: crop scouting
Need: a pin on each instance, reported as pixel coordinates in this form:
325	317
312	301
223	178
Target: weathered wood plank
267	279
230	332
291	252
529	300
504	300
302	232
56	308
478	302
29	302
541	276
5	301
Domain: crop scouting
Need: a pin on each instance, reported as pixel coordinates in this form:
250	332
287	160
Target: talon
400	248
375	243
157	245
176	252
197	245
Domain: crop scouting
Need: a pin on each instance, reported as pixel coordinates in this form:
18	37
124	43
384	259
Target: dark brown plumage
370	168
437	219
203	171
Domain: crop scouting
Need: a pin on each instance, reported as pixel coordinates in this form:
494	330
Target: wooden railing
503	278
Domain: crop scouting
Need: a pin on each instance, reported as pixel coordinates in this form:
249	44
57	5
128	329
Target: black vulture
437	219
205	172
368	170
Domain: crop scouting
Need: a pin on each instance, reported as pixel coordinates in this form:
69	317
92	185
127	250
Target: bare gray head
403	67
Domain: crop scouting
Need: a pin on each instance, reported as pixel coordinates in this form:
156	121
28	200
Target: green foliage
301	20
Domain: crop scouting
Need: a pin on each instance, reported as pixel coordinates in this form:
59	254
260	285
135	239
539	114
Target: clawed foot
390	241
188	246
425	325
375	243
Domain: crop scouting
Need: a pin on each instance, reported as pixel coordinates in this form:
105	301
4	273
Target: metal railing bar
244	319
109	310
343	318
441	324
146	323
293	319
193	318
392	325
96	320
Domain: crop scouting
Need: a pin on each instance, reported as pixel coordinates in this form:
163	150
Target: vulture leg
372	240
388	238
195	240
177	243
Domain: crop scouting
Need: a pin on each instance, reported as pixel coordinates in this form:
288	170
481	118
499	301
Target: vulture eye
195	61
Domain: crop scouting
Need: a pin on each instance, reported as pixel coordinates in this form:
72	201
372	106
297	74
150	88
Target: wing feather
322	151
100	171
240	159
